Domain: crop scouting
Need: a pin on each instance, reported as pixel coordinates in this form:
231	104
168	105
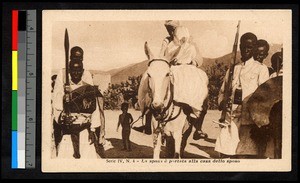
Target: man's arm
164	46
130	118
119	122
102	119
58	94
221	92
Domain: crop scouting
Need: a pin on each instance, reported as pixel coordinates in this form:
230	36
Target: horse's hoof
199	135
76	156
176	156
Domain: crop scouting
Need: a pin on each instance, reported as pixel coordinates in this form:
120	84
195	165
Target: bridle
164	114
161	60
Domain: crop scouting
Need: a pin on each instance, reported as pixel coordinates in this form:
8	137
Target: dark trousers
125	138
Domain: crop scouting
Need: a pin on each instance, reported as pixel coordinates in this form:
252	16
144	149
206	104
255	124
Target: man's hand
68	119
92	137
174	61
67	96
102	139
221	106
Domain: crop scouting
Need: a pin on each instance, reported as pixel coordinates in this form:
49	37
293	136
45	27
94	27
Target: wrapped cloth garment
190	85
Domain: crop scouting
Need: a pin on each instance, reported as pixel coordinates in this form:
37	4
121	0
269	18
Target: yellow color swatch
14	70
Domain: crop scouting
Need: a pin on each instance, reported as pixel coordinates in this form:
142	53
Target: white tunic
250	74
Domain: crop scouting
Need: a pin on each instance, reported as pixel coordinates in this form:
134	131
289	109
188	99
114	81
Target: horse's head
159	78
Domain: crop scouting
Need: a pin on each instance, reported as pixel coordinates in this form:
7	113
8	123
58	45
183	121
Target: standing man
261	52
85	106
247	76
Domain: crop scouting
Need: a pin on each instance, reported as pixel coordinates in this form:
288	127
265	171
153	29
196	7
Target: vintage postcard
166	90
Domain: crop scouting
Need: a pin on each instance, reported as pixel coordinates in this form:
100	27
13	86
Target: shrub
118	93
215	73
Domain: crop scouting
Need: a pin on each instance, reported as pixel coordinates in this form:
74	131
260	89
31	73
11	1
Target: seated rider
189	54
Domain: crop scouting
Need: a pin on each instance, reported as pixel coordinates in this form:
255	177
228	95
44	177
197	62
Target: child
125	119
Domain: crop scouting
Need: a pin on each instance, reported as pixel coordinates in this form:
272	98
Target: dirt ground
142	144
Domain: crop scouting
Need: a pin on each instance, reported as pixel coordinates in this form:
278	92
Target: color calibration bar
21	49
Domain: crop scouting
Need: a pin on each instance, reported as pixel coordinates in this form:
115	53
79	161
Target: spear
67	84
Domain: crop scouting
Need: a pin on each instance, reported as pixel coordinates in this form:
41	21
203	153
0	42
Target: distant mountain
94	72
133	70
114	71
121	74
207	62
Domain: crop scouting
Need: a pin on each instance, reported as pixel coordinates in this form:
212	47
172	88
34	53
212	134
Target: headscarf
182	33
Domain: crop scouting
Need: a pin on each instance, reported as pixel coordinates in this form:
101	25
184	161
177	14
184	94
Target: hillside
121	74
115	71
133	70
95	72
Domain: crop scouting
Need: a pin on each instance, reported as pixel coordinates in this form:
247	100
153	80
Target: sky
113	44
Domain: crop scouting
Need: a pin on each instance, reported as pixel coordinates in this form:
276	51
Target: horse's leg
156	139
148	123
170	146
185	137
157	143
180	121
178	140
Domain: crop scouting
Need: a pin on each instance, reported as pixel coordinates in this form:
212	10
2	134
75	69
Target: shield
83	99
263	99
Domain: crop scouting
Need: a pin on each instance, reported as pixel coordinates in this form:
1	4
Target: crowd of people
116	94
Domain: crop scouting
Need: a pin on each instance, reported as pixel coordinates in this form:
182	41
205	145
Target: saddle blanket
190	85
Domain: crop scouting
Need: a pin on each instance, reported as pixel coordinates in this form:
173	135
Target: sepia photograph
166	90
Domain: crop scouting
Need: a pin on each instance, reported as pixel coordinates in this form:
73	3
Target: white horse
156	94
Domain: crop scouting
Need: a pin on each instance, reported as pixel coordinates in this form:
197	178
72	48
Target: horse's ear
172	56
148	51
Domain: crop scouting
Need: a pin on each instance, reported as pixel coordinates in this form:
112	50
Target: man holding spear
240	81
77	104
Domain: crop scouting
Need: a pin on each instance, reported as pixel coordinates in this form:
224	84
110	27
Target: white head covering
174	23
182	32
